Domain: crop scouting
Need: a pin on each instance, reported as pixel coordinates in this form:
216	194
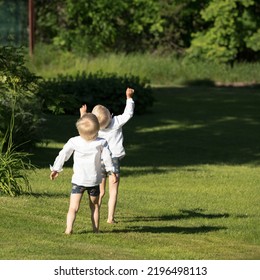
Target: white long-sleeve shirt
114	134
87	160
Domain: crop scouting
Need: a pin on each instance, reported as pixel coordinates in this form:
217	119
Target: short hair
103	115
88	126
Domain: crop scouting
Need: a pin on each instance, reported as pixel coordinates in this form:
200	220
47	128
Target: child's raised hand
129	92
83	110
54	174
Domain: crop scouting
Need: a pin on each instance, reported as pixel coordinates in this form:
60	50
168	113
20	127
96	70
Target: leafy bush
18	88
19	112
66	94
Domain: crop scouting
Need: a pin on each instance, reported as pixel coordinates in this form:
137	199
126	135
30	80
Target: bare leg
73	209
94	207
102	188
113	193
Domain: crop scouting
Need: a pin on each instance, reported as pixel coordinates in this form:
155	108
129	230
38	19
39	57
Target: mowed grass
189	186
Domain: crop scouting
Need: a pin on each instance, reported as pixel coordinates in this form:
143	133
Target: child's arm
63	156
120	120
83	110
129	93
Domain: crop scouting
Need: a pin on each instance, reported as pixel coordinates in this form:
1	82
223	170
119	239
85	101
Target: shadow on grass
170	229
185	214
186	126
46	195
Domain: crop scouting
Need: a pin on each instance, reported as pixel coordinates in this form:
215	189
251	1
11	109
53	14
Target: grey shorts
92	191
116	163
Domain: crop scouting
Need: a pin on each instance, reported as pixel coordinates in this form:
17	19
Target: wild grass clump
13	171
14	166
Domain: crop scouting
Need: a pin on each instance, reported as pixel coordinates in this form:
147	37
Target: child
87	174
111	130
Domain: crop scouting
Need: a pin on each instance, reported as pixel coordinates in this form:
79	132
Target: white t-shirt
87	160
114	134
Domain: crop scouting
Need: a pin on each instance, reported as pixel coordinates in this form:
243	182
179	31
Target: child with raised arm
87	172
111	130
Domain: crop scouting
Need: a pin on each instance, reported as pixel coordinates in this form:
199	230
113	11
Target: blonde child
111	130
87	173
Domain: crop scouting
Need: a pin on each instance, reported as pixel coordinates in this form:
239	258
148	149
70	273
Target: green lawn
189	187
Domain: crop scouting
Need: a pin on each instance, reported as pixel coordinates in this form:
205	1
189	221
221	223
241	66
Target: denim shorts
116	163
92	191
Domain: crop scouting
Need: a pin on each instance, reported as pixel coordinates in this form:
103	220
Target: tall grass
161	70
14	164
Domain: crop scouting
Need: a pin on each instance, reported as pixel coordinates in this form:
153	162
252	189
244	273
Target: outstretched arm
63	156
83	110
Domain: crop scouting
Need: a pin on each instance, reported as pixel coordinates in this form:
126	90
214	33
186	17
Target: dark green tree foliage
180	19
251	20
66	94
98	26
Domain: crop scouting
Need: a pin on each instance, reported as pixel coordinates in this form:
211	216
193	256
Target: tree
225	39
102	25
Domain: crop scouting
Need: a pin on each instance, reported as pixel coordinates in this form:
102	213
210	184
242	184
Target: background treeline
217	30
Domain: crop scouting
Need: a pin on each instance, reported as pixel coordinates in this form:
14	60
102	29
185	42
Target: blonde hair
88	126
103	115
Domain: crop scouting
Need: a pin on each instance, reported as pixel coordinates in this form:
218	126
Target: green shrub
66	94
18	95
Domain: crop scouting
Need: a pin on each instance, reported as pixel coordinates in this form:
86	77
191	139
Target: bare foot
112	222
